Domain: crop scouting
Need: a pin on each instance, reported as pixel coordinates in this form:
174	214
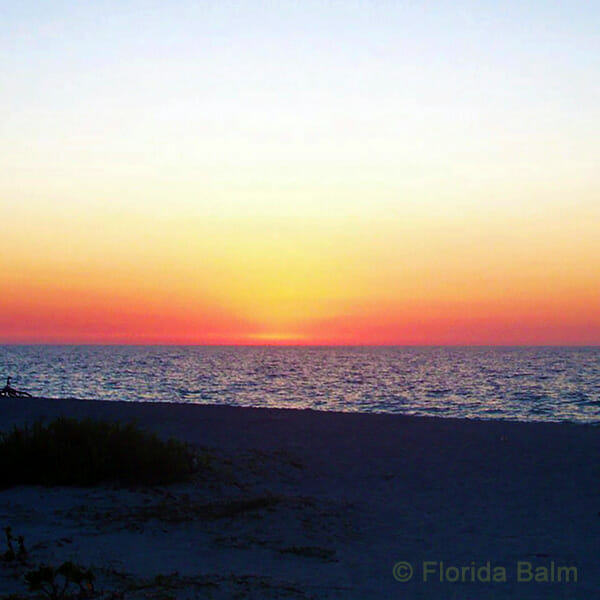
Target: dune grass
89	452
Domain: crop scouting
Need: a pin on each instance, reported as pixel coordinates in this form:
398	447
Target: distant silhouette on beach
11	392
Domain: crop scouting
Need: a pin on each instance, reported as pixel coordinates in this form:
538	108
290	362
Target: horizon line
316	345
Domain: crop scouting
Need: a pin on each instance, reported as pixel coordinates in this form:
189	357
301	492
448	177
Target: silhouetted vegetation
57	583
68	581
10	553
88	452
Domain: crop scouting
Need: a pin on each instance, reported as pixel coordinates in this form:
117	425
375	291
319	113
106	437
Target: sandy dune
303	504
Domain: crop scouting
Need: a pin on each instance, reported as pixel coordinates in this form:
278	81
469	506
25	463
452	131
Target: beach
309	504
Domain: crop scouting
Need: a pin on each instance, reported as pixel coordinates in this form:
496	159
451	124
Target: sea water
516	383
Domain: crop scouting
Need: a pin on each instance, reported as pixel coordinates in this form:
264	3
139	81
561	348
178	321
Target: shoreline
358	492
74	402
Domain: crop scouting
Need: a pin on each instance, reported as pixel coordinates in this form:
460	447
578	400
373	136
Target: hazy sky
313	172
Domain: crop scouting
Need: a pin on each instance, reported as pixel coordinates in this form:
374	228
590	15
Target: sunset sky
340	172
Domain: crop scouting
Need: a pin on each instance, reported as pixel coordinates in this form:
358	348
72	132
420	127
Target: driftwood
10	392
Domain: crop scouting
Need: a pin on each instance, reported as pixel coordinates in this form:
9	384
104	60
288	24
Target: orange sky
286	173
468	279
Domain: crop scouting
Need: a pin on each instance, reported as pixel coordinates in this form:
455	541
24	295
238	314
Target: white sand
354	494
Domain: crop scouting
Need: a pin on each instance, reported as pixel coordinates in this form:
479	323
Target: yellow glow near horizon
276	279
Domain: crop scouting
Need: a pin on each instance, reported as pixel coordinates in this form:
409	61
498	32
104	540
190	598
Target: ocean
515	383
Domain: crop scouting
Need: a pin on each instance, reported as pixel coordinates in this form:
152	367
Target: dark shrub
88	452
